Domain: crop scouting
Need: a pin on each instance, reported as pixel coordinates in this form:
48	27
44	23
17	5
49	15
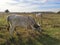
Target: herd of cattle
26	22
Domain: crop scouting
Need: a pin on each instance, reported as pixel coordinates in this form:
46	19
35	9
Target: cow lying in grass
22	21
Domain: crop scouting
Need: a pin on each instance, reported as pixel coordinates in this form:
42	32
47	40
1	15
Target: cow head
37	27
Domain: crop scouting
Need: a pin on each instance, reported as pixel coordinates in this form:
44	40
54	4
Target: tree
59	12
7	11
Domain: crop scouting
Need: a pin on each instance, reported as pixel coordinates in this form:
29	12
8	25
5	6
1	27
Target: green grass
50	36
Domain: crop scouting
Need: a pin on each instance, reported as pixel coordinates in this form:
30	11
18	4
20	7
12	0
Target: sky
30	5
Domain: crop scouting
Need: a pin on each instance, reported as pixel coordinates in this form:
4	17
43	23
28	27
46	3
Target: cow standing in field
38	14
22	21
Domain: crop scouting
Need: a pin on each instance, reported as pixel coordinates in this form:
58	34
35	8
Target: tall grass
51	36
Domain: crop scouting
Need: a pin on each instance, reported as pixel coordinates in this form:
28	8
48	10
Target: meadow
50	35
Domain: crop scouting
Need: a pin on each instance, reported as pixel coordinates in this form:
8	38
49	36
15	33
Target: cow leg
8	28
29	27
11	30
32	27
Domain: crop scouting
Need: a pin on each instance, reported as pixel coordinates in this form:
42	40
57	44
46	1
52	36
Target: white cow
38	14
22	21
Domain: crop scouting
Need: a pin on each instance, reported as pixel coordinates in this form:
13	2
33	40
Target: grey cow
22	21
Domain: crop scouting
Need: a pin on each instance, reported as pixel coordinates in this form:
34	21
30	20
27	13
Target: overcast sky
30	5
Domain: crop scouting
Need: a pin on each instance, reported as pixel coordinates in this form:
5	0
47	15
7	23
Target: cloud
29	5
25	2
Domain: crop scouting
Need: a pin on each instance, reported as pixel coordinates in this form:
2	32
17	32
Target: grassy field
50	36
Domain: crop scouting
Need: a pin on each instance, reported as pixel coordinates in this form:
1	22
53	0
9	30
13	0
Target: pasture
50	35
